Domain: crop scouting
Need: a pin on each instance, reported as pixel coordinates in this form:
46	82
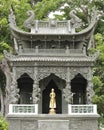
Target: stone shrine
52	54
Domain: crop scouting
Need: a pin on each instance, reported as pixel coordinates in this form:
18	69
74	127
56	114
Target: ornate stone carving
22	70
11	17
46	71
30	21
36	89
36	93
75	21
53	23
68	95
76	70
90	92
8	55
14	97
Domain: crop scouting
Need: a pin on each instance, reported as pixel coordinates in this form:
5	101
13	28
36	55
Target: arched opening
25	84
46	97
78	88
46	84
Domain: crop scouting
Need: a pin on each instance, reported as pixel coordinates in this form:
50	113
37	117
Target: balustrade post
69	109
36	26
67	51
20	49
10	108
84	50
95	109
69	26
36	50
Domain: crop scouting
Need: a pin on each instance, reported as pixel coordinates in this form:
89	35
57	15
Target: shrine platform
70	121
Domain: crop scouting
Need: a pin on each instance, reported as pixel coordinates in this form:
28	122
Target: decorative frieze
14	95
44	72
21	70
79	70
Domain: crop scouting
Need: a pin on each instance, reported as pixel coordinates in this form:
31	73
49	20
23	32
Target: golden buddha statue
52	103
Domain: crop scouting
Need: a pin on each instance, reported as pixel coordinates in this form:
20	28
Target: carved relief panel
76	70
29	125
21	70
46	71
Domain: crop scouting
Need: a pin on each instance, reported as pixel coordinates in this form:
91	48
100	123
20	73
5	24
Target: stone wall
53	122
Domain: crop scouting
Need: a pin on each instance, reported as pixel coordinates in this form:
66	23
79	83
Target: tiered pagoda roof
52	30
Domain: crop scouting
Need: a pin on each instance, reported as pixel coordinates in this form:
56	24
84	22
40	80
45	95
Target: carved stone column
14	96
36	89
89	90
67	91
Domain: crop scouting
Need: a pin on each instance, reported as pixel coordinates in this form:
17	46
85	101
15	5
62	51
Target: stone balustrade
23	109
33	109
82	109
53	52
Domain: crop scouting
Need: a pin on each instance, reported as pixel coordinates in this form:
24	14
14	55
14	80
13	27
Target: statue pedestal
52	111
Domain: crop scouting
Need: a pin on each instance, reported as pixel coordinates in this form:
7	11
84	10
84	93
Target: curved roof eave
22	35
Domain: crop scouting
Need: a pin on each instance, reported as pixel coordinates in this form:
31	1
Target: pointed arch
78	88
46	84
25	85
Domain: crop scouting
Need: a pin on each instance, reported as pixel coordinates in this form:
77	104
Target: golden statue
52	103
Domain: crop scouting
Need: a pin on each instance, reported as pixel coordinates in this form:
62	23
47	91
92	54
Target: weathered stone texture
53	122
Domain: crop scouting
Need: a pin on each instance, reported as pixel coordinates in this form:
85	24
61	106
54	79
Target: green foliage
42	9
20	11
3	46
3	124
98	78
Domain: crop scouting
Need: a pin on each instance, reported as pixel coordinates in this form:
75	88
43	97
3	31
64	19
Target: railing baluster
82	109
23	109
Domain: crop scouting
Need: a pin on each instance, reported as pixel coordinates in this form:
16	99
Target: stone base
52	111
53	122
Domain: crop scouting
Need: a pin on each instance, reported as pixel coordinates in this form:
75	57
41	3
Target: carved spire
11	17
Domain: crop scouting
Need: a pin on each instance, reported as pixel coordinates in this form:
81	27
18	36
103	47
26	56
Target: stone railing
52	23
82	109
23	109
53	52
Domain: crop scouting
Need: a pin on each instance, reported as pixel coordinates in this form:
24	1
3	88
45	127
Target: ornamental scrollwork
78	70
8	55
21	70
36	93
90	92
44	72
67	94
30	21
76	22
14	96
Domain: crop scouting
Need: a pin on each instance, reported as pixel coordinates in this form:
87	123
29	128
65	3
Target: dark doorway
78	87
46	98
25	84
